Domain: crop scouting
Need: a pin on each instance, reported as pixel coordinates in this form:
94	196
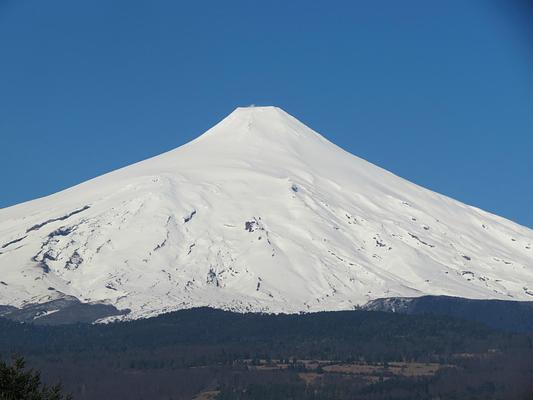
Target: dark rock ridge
62	218
505	315
62	311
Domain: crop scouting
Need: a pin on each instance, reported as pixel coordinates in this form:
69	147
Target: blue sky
440	93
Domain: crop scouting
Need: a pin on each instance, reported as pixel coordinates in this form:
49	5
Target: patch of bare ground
207	395
408	369
310	378
312	369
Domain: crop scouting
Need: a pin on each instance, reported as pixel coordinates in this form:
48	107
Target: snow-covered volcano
259	213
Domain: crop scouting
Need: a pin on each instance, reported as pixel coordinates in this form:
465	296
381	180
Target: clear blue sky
438	92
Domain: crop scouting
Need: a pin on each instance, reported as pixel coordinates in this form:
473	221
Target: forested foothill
212	354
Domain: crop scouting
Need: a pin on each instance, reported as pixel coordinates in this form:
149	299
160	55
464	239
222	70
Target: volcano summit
259	213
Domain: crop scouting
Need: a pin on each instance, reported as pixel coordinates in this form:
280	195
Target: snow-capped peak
261	125
258	213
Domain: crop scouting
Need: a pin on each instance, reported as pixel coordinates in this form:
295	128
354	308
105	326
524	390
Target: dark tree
18	383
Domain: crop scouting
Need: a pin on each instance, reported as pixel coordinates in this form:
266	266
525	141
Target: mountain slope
259	213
